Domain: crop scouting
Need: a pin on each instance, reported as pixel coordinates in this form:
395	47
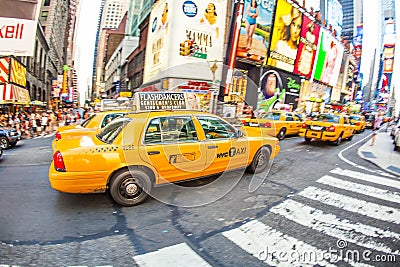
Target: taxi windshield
85	122
111	130
327	118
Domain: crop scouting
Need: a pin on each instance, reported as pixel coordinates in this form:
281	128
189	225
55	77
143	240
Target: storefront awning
10	93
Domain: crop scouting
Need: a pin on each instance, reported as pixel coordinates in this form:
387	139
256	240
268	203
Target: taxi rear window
356	118
85	122
273	116
328	118
111	130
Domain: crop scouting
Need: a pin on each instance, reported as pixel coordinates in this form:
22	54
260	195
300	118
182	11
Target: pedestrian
374	133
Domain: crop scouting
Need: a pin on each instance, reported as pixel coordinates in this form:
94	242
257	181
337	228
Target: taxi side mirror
239	134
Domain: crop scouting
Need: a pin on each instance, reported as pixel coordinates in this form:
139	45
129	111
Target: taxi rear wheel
130	187
282	133
339	140
260	160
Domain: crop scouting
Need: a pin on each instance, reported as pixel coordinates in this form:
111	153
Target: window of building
46	3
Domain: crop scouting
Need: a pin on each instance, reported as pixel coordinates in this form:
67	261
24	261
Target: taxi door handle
211	147
153	152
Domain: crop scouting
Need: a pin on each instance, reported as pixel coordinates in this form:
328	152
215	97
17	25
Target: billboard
335	16
307	48
254	38
388	59
17	73
185	35
329	59
278	87
18	24
285	36
357	43
12	71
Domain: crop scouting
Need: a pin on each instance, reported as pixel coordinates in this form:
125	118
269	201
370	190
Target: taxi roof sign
152	101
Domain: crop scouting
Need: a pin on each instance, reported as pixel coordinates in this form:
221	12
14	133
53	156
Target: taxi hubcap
129	188
261	159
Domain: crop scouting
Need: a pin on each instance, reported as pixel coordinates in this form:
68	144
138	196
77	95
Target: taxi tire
132	178
264	153
4	142
339	140
281	134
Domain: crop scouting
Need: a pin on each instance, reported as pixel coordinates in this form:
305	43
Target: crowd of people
40	123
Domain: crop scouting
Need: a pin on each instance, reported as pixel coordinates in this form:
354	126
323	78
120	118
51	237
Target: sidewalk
382	153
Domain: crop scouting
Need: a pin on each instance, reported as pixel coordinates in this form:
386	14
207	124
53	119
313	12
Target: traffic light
187	48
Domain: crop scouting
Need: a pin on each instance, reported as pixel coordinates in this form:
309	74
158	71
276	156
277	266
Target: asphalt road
311	202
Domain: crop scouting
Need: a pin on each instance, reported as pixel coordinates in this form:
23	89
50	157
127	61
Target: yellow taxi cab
328	127
276	123
94	122
358	121
144	149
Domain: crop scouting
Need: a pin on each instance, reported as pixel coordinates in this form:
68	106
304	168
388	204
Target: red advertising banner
307	48
285	36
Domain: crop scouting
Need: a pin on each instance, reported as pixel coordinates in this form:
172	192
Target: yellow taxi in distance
94	122
147	148
328	127
358	121
277	123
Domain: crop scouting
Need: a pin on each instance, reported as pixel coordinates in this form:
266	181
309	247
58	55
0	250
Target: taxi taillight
58	162
304	125
358	123
245	123
331	128
58	136
267	124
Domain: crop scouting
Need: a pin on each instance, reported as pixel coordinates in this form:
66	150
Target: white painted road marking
331	225
368	177
177	255
361	189
372	210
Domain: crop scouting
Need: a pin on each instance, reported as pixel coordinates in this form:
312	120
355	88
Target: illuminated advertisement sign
17	73
307	48
18	24
278	87
388	59
384	91
389	39
335	16
329	59
255	30
185	35
357	42
285	36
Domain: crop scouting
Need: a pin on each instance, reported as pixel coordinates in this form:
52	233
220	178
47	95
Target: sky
85	43
87	26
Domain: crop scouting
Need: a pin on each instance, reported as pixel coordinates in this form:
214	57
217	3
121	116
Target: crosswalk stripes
361	189
177	255
331	225
355	205
254	235
274	245
367	177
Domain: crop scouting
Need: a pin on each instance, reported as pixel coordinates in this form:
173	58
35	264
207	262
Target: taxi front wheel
260	160
130	187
